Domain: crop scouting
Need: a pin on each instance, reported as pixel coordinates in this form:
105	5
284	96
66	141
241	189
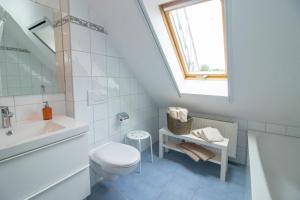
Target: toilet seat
115	155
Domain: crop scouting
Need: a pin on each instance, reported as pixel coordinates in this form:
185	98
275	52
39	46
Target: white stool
139	135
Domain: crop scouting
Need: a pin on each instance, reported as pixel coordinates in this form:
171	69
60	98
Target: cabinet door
27	175
76	187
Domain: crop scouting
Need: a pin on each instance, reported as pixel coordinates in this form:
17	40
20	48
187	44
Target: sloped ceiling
264	49
137	45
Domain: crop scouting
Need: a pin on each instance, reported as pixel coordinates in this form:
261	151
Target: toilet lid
116	155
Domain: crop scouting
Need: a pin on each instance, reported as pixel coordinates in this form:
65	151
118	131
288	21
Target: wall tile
114	106
81	64
98	42
54	97
100	83
125	86
111	51
91	134
100	111
7	101
98	65
113	67
29	112
101	130
31	99
83	112
126	104
113	87
81	86
114	126
80	38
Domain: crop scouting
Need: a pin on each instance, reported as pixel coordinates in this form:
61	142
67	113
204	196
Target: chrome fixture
122	116
6	116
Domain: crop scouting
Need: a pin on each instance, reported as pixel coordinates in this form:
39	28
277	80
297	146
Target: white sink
26	132
30	135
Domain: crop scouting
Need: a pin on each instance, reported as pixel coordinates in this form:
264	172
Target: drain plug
9	133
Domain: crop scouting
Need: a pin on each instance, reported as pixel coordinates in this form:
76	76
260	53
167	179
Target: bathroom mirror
31	58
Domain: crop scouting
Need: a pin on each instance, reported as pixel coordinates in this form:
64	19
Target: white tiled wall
93	64
243	127
30	107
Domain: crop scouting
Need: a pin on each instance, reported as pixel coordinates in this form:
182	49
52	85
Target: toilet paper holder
122	116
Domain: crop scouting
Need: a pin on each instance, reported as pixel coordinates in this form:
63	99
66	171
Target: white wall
265	64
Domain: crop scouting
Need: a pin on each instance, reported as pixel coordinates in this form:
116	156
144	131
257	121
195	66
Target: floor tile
176	177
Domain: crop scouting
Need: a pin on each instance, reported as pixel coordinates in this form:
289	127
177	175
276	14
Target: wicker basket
179	128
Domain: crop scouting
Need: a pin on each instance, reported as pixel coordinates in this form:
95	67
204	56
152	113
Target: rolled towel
178	113
173	112
182	114
201	152
208	134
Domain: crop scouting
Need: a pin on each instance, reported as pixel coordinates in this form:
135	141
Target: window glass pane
199	29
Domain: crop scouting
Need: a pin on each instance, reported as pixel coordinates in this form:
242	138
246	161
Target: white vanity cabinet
55	171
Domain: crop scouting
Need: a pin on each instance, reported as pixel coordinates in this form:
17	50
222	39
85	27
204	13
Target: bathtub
274	166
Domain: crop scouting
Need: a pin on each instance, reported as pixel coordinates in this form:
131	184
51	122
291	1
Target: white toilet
113	159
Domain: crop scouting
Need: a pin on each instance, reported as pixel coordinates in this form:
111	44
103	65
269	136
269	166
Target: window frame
175	41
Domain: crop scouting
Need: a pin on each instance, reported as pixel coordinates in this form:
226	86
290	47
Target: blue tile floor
176	177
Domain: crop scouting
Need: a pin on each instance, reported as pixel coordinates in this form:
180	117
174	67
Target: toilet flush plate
96	97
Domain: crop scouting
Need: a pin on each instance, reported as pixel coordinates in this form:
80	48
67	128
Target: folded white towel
178	113
209	134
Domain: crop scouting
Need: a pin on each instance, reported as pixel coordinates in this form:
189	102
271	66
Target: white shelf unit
173	146
221	148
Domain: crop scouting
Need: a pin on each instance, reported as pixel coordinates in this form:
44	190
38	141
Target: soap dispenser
47	111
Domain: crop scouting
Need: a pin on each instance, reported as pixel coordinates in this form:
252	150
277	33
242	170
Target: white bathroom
149	100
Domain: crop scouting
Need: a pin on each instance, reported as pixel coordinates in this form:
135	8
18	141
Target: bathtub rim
259	185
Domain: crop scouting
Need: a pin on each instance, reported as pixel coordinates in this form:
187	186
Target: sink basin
26	132
34	134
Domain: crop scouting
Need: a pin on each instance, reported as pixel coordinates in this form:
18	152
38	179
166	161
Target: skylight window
196	29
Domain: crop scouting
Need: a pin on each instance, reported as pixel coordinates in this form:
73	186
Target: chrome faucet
6	116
